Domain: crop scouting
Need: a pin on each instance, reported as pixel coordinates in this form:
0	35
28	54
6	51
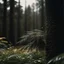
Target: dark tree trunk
33	15
42	12
4	18
54	40
25	24
19	25
11	31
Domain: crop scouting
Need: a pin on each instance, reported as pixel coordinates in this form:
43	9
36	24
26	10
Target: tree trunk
12	31
4	18
19	19
42	12
25	24
54	40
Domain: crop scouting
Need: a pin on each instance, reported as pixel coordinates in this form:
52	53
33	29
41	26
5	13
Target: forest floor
15	55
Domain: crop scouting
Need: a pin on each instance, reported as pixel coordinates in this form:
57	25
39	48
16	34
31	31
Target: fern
57	60
33	40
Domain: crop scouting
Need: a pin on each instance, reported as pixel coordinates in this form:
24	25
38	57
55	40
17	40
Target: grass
17	57
30	51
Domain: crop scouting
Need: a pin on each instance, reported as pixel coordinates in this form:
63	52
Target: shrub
33	40
32	58
57	60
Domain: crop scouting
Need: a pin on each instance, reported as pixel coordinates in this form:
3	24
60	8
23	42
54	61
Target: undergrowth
22	58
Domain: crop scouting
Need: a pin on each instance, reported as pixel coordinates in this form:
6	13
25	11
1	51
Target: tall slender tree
4	17
11	31
33	19
25	25
41	7
1	19
19	20
54	40
28	18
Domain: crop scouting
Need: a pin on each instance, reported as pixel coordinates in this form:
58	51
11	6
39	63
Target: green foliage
39	3
4	44
31	58
57	60
33	40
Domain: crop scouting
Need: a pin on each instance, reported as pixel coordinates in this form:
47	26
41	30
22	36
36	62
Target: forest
33	35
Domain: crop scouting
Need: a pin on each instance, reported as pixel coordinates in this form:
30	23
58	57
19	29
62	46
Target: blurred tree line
14	22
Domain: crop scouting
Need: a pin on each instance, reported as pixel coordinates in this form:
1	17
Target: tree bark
54	38
42	16
4	18
11	31
19	21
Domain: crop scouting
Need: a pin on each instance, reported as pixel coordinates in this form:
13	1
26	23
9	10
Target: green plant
4	43
57	60
33	40
31	58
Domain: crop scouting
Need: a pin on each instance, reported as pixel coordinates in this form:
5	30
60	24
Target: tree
19	11
25	24
33	15
15	21
1	18
28	18
54	38
11	31
4	17
40	5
